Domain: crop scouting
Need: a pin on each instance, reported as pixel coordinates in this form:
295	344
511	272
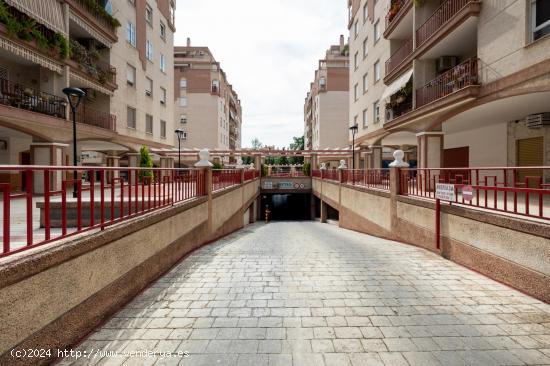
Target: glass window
356	60
376	31
162	30
356	29
540	12
322	83
365	118
376	111
183	101
131	33
183	119
365	12
377	71
356	91
149	124
130	75
162	63
149	14
162	96
183	83
149	51
365	83
365	47
148	86
131	117
163	129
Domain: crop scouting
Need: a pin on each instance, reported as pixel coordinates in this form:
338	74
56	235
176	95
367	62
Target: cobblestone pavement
304	293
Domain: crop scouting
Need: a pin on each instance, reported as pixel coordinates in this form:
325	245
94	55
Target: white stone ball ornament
204	157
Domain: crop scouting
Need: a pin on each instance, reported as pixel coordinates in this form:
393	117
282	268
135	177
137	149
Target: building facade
326	105
441	79
206	107
52	44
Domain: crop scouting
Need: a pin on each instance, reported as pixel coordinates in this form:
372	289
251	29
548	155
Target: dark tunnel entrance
287	207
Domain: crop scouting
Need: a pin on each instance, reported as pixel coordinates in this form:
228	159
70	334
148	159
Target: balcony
450	82
397	60
399	10
88	62
451	14
22	97
99	17
92	117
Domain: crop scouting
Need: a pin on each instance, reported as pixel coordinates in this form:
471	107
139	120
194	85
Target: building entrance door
530	153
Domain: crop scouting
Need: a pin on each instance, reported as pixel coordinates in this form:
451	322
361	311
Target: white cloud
269	50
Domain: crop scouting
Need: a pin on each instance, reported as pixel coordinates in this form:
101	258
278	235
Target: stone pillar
324	212
258	162
52	154
208	191
133	162
430	149
376	157
114	162
166	162
314	161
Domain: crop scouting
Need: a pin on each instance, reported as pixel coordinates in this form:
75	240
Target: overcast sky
269	50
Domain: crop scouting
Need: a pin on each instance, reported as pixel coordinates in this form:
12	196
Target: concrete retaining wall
509	249
52	296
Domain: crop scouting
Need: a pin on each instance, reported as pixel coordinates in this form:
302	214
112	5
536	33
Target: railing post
208	191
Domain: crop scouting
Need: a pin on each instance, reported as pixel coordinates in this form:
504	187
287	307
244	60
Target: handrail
440	16
23	97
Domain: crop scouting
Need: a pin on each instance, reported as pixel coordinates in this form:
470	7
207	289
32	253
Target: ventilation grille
538	120
4	73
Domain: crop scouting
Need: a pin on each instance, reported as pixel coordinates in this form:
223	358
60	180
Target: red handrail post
6	211
28	184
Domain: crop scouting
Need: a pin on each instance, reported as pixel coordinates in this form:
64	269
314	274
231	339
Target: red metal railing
514	190
399	56
104	196
459	77
225	178
23	97
395	8
442	15
316	173
96	118
330	174
371	178
251	175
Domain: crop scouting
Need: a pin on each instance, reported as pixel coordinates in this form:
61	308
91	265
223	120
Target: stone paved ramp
304	293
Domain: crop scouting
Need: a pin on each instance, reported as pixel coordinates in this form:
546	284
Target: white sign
468	193
268	185
445	192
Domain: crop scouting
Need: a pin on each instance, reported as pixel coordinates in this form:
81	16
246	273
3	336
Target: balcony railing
396	7
20	96
399	56
459	77
87	62
399	110
89	116
441	16
106	20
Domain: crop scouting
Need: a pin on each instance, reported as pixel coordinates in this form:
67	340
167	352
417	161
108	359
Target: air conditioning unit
538	120
183	120
184	137
148	93
445	63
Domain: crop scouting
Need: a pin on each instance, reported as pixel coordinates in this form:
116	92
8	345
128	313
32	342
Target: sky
269	50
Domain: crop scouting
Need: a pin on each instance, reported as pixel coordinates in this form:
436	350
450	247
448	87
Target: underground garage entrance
287	206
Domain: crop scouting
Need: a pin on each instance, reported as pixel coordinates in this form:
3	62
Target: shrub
145	161
306	169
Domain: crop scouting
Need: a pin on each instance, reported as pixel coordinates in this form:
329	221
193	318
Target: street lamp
179	133
74	96
353	130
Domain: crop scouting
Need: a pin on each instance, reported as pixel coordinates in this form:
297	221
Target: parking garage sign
445	192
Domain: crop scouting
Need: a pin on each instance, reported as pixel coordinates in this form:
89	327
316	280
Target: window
148	86
365	118
376	111
183	101
356	29
355	120
365	47
149	51
377	31
356	91
183	119
376	71
322	83
365	12
130	117
162	31
131	33
215	86
149	14
365	83
173	12
162	63
162	129
540	18
149	124
130	75
183	83
162	96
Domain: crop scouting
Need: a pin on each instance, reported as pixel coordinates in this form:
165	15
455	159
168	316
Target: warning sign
468	193
445	192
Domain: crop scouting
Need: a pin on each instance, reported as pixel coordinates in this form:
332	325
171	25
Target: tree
256	143
145	161
297	144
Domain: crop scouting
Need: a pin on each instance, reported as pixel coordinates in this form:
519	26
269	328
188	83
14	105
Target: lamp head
179	133
74	95
354	128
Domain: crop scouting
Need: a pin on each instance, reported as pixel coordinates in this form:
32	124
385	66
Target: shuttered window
530	153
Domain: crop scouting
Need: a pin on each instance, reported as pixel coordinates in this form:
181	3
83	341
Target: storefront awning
46	12
397	85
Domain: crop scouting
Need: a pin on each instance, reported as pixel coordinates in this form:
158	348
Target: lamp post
74	96
179	133
353	130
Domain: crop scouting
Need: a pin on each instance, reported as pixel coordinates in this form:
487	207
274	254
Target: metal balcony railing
20	96
442	15
92	117
457	78
395	8
399	56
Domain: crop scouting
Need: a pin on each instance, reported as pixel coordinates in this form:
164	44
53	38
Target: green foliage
306	169
4	14
95	8
27	29
217	165
256	143
61	42
145	161
264	170
297	144
418	3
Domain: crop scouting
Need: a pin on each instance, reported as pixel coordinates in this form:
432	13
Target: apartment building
206	107
108	52
454	83
326	105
